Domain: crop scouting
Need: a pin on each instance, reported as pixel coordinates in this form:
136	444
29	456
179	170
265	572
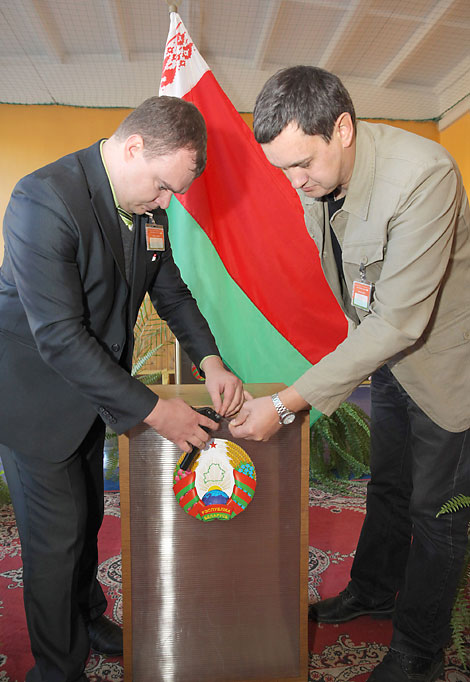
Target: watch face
288	418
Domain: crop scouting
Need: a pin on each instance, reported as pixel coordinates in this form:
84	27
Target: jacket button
466	334
115	347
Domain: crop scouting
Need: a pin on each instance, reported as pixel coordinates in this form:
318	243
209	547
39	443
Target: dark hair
166	125
311	97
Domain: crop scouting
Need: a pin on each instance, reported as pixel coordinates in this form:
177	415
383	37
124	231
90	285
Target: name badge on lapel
362	290
154	235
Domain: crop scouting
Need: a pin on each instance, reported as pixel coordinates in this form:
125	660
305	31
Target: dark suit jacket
67	312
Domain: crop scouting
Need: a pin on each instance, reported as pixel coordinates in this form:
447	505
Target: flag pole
173	7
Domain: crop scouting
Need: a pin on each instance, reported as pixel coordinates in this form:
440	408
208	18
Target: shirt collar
361	184
360	187
124	215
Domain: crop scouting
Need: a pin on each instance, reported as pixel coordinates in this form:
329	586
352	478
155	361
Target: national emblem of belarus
219	485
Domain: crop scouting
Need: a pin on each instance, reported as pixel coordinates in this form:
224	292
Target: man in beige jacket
390	217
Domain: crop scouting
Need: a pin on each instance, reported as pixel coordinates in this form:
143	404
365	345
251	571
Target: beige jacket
406	217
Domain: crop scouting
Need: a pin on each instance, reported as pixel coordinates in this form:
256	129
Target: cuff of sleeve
205	358
323	404
213	355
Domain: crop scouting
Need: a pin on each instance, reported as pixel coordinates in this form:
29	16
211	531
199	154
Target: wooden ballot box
217	601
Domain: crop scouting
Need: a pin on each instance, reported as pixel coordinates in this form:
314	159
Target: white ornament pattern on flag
183	65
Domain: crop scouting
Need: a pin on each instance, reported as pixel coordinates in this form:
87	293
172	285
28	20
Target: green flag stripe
249	344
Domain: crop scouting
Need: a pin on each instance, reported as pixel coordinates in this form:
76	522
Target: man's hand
177	421
258	419
225	389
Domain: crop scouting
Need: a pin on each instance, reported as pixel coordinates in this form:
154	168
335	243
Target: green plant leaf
339	444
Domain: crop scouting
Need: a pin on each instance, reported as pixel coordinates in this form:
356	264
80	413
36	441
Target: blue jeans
404	551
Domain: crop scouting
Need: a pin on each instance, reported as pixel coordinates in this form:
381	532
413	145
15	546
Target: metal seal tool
190	456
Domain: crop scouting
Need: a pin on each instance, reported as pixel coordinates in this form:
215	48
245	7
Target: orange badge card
361	295
155	237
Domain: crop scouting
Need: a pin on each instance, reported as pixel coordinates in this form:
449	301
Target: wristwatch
285	415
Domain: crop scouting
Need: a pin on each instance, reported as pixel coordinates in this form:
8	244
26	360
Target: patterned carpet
15	656
338	653
350	651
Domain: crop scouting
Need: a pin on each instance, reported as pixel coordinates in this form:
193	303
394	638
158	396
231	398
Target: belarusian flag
239	238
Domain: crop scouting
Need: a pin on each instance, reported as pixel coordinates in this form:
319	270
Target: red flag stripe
254	219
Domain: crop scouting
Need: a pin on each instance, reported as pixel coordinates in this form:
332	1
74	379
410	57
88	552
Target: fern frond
148	379
4	491
455	504
142	360
460	619
339	444
111	455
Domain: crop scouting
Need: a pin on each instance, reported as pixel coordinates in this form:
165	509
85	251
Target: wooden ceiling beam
352	14
51	35
118	23
264	38
428	24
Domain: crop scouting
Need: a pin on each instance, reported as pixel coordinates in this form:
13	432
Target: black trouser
59	510
416	466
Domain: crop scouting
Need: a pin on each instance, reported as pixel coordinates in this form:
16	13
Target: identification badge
361	295
155	237
362	291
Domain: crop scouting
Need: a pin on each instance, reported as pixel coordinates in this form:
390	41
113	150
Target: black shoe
105	636
398	667
345	607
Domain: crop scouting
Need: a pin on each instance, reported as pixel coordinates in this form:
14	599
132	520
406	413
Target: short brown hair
167	124
306	95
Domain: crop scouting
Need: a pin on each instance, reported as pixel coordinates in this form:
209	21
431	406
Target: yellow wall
456	139
424	128
31	136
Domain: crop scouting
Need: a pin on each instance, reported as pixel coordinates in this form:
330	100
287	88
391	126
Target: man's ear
344	127
133	146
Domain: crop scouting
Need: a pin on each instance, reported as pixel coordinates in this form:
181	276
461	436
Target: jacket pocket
367	252
371	254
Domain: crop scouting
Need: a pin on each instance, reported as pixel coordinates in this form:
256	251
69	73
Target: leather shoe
105	636
345	607
398	667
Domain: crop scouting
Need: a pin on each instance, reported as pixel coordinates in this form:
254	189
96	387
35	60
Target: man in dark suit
85	238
